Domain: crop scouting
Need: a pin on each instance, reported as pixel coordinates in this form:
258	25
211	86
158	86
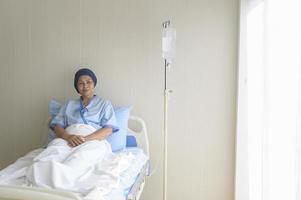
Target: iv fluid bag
169	44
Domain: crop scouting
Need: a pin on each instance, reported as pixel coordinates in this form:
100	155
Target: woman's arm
73	140
99	134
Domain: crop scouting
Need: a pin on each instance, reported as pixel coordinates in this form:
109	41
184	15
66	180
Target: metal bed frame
143	142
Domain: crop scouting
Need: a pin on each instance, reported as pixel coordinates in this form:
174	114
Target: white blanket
90	169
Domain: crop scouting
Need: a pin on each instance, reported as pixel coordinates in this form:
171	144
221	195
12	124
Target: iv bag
169	44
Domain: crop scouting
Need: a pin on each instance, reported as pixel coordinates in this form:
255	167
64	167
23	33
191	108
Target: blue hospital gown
99	113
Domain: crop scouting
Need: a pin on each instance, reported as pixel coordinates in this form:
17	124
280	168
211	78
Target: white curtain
268	144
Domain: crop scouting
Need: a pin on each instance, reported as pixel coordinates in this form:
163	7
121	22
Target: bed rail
137	128
137	189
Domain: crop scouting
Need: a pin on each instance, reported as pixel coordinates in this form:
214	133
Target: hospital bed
135	176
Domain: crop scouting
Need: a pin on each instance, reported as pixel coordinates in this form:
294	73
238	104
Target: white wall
44	42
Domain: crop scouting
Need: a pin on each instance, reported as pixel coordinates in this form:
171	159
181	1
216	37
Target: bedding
110	176
129	176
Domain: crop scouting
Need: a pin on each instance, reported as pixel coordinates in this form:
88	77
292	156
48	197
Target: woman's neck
86	100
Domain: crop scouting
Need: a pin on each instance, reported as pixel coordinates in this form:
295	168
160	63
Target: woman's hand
75	140
72	140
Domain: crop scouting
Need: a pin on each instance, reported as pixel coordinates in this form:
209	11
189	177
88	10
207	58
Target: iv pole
166	98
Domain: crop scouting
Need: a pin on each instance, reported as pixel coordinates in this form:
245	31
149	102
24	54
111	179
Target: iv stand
166	98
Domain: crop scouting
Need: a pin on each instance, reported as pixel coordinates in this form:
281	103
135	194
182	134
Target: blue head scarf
82	72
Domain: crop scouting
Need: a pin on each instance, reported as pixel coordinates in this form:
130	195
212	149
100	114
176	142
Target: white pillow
80	129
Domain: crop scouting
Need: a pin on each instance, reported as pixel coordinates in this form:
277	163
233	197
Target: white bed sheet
127	176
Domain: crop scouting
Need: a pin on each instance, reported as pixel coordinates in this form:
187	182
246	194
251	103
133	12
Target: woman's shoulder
72	102
101	101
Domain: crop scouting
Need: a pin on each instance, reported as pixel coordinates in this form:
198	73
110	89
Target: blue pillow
54	108
117	139
131	141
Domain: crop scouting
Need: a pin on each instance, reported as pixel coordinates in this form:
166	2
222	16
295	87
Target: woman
88	109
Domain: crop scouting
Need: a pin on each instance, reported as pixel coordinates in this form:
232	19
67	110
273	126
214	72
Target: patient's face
85	86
